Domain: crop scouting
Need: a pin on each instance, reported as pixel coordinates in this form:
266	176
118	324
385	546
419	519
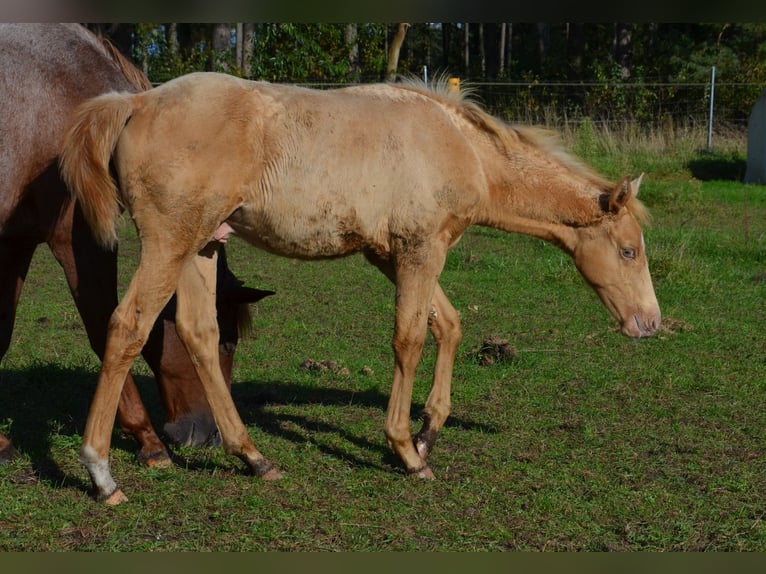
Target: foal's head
611	256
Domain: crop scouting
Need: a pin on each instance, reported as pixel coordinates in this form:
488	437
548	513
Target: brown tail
84	161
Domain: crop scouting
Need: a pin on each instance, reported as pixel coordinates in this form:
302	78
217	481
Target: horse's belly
304	236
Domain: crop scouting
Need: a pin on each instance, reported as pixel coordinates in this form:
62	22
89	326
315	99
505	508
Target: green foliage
291	52
314	53
153	51
559	72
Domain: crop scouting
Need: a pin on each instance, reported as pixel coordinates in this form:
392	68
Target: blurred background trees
619	68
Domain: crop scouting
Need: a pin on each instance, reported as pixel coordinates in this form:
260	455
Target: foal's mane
512	136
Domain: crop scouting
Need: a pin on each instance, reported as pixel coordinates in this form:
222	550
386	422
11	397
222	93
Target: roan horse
46	70
397	172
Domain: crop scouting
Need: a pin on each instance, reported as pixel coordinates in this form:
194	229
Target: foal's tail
85	156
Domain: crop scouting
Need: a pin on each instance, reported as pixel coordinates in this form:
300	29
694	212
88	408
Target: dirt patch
313	366
672	326
493	350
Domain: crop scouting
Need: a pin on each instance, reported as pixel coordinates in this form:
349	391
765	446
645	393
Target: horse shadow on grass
47	401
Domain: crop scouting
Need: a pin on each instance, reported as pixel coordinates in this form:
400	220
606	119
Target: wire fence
617	106
652	106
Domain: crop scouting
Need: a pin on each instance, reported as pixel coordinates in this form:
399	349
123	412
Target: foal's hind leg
197	326
129	327
91	272
444	323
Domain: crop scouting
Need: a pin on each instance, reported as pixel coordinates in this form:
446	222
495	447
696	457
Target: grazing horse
397	172
46	70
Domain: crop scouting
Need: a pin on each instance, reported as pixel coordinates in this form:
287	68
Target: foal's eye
628	253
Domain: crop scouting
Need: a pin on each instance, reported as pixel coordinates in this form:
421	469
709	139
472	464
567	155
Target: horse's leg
414	292
91	273
444	322
198	329
15	258
129	327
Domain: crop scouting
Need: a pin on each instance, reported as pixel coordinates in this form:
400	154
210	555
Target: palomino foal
397	172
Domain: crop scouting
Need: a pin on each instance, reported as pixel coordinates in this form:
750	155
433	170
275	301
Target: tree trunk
171	36
352	45
543	41
466	50
482	53
393	51
238	45
623	49
501	51
220	43
575	49
248	41
509	58
446	36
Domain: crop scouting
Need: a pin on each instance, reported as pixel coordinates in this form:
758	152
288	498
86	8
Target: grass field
580	440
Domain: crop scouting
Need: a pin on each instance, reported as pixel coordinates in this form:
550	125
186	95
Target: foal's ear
622	193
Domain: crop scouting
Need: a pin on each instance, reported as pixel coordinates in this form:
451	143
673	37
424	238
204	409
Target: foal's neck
544	201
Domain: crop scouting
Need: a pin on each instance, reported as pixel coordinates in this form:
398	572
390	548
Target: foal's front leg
198	329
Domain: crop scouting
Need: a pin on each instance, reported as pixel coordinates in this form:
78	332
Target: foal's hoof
425	473
264	470
117	497
272	474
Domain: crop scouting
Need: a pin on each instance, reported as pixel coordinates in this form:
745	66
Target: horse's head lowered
611	256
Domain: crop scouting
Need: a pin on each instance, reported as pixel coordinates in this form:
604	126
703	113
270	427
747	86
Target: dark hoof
264	470
191	430
424	442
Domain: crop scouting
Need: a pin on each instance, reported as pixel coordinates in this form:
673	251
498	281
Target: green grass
585	440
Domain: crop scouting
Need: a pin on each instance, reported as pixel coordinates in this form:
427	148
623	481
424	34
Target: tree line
621	54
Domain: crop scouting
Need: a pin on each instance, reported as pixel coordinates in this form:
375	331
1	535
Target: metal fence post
710	115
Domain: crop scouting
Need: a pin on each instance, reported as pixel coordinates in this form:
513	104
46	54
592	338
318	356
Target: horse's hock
756	143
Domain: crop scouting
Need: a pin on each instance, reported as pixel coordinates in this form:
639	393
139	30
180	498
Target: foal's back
306	173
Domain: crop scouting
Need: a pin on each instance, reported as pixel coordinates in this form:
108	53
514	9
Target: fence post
710	118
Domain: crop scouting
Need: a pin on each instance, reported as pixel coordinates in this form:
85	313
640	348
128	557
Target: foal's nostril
646	326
